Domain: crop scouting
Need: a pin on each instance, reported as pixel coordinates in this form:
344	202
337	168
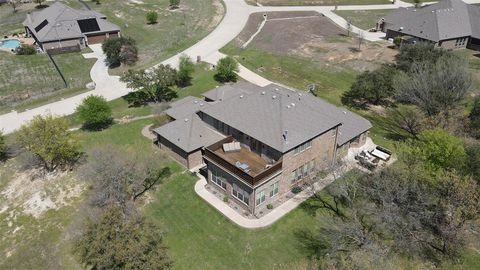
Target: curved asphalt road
236	17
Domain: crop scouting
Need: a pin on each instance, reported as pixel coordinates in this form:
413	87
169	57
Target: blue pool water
9	44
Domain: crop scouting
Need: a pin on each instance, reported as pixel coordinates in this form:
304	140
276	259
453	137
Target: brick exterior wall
322	151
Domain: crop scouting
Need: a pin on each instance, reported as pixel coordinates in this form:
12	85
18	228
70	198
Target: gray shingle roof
190	133
446	19
185	107
265	115
227	91
62	23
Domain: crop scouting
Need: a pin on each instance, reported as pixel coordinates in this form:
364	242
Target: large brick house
259	142
61	28
450	24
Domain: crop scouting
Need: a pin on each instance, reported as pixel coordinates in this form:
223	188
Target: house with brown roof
256	143
61	28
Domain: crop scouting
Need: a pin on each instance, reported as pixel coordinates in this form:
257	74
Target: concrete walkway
236	17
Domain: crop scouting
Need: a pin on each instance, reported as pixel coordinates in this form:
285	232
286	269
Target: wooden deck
254	161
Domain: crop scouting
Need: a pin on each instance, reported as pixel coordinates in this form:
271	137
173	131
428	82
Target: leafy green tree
48	138
113	48
371	87
151	86
95	112
152	17
435	87
3	146
474	117
416	53
118	243
185	71
226	70
174	3
437	150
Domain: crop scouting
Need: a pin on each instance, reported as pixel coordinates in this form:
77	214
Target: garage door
96	39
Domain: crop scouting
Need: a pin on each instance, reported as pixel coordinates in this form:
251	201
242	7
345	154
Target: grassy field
317	2
176	29
364	19
26	80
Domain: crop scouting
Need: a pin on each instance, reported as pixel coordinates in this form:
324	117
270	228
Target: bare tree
435	88
405	118
119	177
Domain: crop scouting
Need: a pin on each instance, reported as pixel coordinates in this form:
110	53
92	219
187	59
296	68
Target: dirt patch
34	195
312	35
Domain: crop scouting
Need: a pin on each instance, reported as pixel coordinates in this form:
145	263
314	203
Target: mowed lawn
318	2
364	19
175	31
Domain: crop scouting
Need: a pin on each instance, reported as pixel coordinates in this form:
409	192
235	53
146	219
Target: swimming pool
9	44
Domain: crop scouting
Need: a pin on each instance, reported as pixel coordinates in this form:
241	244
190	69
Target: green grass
199	237
318	2
175	30
364	19
31	80
296	72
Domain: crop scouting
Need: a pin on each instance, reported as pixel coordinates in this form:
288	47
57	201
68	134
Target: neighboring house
61	28
450	24
259	142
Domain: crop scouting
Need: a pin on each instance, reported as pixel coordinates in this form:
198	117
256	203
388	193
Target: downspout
335	146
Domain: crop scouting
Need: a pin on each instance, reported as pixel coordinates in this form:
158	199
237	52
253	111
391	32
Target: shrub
95	113
296	189
152	17
226	69
474	117
269	206
225	199
26	49
185	70
397	41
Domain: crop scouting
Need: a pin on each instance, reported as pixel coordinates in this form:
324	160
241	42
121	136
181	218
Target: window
302	147
219	181
260	197
240	194
274	189
302	171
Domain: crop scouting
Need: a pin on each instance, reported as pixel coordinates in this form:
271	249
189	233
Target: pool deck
23	40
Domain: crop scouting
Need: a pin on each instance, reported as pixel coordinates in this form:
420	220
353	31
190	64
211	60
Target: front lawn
364	19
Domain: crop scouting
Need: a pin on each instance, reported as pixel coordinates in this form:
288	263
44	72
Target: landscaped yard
364	19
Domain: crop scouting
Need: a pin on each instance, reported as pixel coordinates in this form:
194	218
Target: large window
302	171
218	179
260	197
240	194
273	189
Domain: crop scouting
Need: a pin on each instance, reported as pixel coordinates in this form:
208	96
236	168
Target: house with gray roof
60	28
450	24
256	143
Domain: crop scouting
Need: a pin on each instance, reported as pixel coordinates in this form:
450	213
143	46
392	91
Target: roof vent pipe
284	135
